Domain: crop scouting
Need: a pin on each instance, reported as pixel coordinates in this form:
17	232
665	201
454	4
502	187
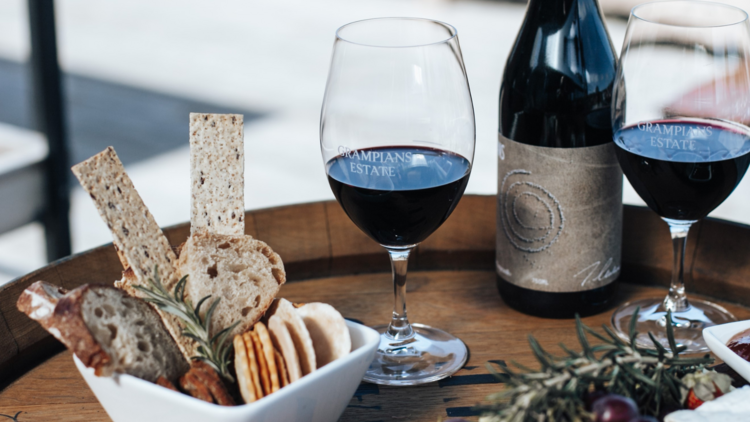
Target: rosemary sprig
651	377
212	350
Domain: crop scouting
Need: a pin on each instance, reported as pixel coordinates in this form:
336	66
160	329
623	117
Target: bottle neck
556	9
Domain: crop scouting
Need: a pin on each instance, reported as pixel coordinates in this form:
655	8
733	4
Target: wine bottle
559	201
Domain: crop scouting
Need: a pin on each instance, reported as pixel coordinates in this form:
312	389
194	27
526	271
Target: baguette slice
107	329
38	301
217	174
139	241
244	272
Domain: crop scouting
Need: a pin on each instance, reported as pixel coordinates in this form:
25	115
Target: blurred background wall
134	69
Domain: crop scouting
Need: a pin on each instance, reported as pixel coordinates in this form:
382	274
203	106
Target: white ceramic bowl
716	339
318	397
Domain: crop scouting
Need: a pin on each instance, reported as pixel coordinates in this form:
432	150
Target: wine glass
681	110
397	138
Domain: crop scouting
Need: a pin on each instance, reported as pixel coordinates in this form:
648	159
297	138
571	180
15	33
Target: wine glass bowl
397	138
681	110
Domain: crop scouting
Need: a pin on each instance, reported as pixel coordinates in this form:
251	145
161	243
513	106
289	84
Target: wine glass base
429	356
688	325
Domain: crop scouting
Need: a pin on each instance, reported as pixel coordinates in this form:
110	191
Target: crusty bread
108	330
244	272
127	282
38	301
139	241
217	174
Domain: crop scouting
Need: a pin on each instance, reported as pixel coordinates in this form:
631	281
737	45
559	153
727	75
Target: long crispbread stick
134	230
217	174
140	242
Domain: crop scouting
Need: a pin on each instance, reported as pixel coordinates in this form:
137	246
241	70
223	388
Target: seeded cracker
270	356
242	369
253	362
265	378
138	239
283	375
217	174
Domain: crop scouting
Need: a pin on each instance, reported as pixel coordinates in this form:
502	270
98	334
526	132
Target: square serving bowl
716	339
320	396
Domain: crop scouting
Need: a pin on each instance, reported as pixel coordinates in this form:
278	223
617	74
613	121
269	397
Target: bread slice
244	272
217	174
107	329
38	301
139	241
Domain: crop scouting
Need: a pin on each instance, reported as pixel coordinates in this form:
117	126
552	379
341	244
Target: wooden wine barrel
451	286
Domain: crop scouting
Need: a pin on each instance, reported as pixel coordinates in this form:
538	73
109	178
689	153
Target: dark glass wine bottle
559	215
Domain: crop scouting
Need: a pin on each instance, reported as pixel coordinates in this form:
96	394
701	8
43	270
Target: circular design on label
530	213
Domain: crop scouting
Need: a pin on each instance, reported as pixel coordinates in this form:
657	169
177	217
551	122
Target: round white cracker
283	341
300	336
328	330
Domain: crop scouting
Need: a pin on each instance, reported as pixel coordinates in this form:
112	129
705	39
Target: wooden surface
465	303
451	285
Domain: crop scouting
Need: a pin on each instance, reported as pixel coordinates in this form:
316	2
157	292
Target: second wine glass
397	138
681	114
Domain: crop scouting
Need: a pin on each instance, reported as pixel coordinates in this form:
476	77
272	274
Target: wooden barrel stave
318	240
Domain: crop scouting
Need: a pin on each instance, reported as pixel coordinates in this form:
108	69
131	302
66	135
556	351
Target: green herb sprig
212	350
651	377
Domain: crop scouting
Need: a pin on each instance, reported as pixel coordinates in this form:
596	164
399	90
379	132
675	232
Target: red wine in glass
682	139
398	195
683	169
397	139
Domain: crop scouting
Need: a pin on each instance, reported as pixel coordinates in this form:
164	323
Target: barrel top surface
451	286
465	303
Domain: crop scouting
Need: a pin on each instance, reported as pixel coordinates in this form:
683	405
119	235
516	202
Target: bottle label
559	216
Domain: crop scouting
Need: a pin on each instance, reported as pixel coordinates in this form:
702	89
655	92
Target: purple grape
615	408
590	398
644	419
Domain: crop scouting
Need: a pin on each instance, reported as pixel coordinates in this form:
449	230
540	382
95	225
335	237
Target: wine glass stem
399	328
676	300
